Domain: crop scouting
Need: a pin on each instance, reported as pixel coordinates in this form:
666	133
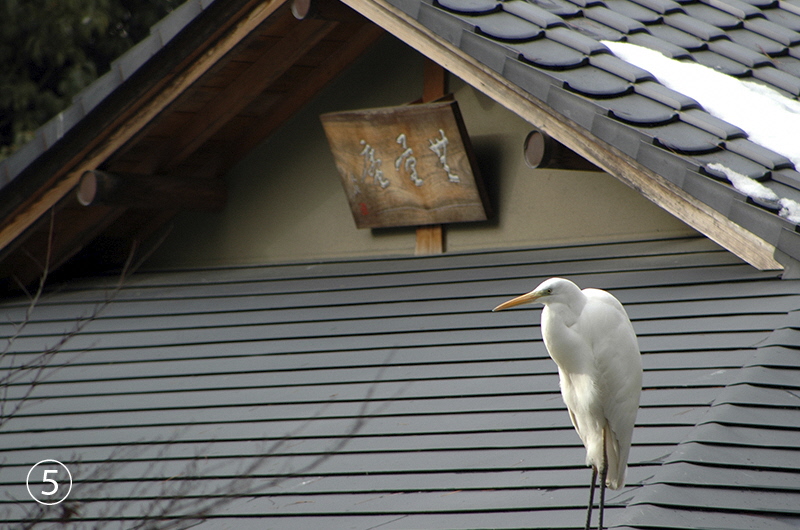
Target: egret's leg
591	499
603	475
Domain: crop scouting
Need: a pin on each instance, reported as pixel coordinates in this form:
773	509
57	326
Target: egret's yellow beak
523	299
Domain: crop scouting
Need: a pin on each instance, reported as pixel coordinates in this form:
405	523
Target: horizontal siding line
725	293
566	430
349	418
465	465
526	375
530	354
85	338
493	321
730	273
366	266
218	406
421	308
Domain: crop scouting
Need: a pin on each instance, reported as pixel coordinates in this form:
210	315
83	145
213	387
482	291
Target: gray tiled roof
551	49
450	413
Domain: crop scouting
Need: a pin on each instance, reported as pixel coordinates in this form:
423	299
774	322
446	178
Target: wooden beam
543	151
317	78
151	192
430	239
247	86
137	116
665	194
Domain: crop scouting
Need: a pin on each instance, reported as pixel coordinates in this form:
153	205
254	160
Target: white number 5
45	479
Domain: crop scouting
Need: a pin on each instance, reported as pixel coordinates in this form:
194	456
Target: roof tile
576	41
713	193
532	13
757	43
677	37
573	106
550	54
736	8
721	63
445	24
593	82
469	6
617	21
506	27
587	3
764	27
626	139
769	159
790	65
614	65
712	16
634	11
764	4
170	26
790	177
635	109
561	8
778	78
711	124
793	6
595	30
738	53
654	43
665	95
683	138
532	80
742	165
489	52
785	18
662	7
699	28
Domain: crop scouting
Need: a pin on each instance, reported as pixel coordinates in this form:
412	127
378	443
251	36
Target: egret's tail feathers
616	462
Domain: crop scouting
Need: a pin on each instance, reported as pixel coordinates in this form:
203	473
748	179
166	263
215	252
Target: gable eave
665	177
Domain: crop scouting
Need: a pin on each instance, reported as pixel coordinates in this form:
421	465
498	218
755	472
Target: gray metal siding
441	414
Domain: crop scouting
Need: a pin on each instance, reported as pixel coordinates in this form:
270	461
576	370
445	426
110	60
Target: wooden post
430	239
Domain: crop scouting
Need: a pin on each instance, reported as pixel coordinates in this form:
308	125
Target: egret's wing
619	376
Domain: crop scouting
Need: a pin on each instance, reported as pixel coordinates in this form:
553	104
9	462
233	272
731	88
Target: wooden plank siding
383	392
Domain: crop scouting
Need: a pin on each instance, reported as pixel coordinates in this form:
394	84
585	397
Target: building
270	365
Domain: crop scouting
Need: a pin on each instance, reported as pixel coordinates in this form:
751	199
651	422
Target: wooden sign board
406	166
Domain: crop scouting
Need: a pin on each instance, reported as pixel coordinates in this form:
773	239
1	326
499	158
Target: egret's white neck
567	307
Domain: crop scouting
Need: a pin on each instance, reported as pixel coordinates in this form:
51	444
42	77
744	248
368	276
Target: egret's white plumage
590	337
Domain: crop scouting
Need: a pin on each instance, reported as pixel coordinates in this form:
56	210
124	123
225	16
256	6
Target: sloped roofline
716	226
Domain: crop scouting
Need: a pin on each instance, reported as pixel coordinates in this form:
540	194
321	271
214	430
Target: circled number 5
53	481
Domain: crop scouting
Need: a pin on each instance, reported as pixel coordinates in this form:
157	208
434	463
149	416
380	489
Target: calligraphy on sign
406	166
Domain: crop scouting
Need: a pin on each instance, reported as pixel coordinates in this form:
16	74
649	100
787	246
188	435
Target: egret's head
547	291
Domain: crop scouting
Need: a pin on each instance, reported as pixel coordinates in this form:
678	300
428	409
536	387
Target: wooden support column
430	239
160	192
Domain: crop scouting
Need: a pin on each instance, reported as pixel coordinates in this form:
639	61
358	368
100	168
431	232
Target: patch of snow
790	210
743	183
769	118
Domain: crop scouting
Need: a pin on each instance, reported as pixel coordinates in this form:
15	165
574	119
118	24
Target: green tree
51	49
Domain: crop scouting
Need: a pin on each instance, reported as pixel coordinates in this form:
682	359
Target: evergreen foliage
51	49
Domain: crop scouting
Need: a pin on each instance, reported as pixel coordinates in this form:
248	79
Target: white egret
590	337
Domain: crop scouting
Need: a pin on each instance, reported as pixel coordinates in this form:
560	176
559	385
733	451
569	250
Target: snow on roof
769	118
